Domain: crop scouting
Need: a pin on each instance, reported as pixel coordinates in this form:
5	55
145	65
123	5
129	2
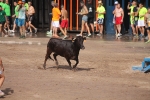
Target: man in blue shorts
21	18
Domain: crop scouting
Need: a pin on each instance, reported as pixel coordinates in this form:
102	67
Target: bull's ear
84	38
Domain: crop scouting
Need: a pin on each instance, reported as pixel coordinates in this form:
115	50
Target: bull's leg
55	55
46	57
77	61
68	60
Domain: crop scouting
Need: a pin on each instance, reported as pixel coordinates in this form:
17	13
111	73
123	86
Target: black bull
65	48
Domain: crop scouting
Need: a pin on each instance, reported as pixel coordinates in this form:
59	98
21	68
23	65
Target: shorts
141	23
136	23
100	21
2	23
21	22
148	28
8	18
30	18
16	21
64	24
85	18
131	21
118	20
90	20
55	23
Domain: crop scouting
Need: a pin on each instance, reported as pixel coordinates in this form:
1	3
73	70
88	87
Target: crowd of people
139	19
24	13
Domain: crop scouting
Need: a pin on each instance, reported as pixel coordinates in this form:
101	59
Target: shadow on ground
7	91
68	68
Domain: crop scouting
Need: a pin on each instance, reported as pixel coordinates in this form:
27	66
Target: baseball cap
19	2
116	2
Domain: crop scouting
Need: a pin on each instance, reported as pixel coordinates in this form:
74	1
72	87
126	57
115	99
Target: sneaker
78	35
49	32
1	93
147	41
35	30
89	35
12	31
98	34
24	37
65	37
6	36
119	34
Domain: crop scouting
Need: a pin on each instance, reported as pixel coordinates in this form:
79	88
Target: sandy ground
104	72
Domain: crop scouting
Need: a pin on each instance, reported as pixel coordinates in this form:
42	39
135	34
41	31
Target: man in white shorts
55	20
141	23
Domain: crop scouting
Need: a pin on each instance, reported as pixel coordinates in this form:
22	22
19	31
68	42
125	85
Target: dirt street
104	71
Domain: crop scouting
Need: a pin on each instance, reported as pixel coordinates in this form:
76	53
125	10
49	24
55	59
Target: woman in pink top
119	15
31	12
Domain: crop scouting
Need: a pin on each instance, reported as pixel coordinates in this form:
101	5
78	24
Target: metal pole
77	17
70	14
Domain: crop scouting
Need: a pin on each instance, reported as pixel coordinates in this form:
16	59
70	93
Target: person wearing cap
15	16
2	77
119	16
84	12
115	27
21	18
141	21
90	14
6	8
3	19
100	21
132	21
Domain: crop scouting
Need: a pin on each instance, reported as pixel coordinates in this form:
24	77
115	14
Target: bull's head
78	41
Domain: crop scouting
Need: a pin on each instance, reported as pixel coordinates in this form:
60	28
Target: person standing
21	18
115	27
8	15
141	23
30	15
2	77
131	8
51	25
84	12
55	20
15	16
2	3
64	21
100	21
147	21
3	19
119	16
91	15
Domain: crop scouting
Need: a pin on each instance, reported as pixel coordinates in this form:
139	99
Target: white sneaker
119	34
49	32
78	35
35	30
6	36
12	31
1	93
89	35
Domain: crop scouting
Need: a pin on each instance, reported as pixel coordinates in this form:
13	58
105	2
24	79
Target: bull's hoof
44	66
